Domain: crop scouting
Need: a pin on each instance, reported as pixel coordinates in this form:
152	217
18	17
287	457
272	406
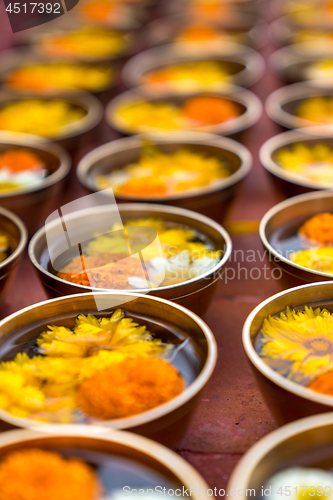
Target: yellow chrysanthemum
304	338
90	334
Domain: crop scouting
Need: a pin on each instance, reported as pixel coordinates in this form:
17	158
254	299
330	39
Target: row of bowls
165	423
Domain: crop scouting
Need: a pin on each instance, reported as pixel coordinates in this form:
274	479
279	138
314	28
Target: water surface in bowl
113	260
61	392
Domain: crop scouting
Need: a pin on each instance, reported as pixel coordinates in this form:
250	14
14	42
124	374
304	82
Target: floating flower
92	333
304	339
318	259
44	387
129	387
32	473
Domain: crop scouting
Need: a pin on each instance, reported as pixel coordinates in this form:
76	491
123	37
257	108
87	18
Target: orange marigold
319	229
101	273
210	109
32	473
132	386
323	384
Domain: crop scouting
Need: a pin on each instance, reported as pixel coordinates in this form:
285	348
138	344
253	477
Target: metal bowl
38	37
281	223
229	10
281	104
287	183
11	225
73	134
246	66
34	205
165	423
196	293
210	201
283	30
129	458
293	63
286	399
249	102
246	30
14	59
304	443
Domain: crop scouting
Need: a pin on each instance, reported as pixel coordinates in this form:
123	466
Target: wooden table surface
232	415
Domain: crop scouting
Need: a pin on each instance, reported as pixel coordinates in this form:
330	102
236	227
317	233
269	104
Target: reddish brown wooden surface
232	415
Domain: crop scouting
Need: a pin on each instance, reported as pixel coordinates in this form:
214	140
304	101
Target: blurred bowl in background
69	136
304	443
15	230
15	63
286	399
278	233
241	66
34	204
248	103
212	201
290	183
293	65
92	43
283	32
170	322
282	104
213	9
247	30
195	293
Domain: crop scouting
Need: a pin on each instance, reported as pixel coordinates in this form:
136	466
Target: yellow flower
318	259
18	398
44	387
303	338
91	333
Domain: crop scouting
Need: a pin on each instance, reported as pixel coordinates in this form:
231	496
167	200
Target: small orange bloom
31	474
319	229
132	386
323	384
210	109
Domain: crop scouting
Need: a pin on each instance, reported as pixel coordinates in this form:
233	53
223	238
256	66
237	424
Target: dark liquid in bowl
285	239
116	471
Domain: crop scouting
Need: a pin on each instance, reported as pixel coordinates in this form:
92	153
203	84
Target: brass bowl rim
267	371
290	93
39	143
85	100
23	236
185	137
244	469
251	115
306	197
171	460
288	138
177	53
138	207
150	415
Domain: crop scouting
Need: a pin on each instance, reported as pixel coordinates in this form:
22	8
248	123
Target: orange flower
29	474
129	387
210	109
323	384
319	229
18	160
